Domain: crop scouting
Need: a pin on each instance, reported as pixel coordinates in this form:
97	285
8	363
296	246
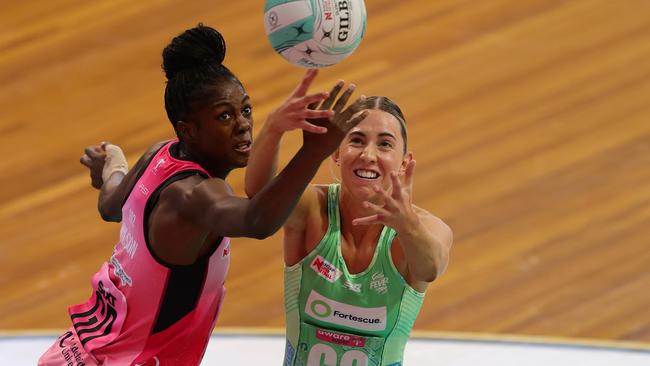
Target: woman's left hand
397	211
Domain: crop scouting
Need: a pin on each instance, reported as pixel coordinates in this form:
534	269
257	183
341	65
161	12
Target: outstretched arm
292	114
299	111
211	203
424	238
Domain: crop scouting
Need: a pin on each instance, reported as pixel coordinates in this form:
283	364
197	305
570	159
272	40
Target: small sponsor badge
325	269
340	338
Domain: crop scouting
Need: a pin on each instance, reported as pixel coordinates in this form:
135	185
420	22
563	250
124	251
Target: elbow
262	226
109	215
429	276
434	270
260	233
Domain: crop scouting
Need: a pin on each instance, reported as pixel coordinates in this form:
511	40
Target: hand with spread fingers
293	113
397	210
338	125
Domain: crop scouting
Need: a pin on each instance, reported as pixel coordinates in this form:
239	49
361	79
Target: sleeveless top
141	308
337	318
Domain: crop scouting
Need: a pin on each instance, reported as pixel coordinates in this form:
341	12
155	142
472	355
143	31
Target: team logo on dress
330	311
159	163
379	283
325	269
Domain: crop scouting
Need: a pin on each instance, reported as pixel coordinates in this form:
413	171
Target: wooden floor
530	122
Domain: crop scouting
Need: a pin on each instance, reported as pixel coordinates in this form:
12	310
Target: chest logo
355	287
159	163
330	311
379	283
325	269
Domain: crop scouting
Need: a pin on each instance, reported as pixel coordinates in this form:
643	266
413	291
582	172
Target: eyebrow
224	101
387	134
381	134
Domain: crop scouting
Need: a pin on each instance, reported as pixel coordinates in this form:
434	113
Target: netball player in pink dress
155	301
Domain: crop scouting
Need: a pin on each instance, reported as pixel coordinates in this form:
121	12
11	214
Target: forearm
269	209
113	173
263	161
426	254
109	204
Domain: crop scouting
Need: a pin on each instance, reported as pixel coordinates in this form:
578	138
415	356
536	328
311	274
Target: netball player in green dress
359	255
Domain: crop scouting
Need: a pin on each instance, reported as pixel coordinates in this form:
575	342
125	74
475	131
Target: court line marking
446	336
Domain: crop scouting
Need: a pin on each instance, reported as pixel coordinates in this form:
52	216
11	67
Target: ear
335	157
405	162
186	131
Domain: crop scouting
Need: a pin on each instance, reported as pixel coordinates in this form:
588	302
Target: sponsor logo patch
355	287
325	269
340	338
71	351
330	311
119	272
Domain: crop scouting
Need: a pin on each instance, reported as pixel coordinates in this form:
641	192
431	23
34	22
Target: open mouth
366	174
243	147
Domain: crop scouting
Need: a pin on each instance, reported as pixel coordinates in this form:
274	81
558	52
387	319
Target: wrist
273	126
411	225
311	153
115	162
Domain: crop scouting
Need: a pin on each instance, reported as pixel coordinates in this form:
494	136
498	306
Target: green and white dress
335	318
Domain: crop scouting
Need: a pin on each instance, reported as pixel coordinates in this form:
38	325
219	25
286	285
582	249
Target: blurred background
529	120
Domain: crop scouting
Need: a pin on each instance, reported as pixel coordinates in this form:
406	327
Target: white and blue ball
314	33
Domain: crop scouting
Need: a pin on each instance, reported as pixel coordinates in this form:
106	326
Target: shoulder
312	202
306	225
152	150
196	187
315	197
320	192
146	157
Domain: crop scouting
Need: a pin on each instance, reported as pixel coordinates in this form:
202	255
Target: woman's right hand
94	158
102	161
294	112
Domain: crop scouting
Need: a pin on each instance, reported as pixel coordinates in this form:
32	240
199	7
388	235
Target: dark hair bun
198	47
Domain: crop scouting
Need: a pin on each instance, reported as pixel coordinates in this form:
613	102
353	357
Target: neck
351	208
185	153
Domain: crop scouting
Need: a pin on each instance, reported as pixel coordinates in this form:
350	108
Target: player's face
370	152
224	126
